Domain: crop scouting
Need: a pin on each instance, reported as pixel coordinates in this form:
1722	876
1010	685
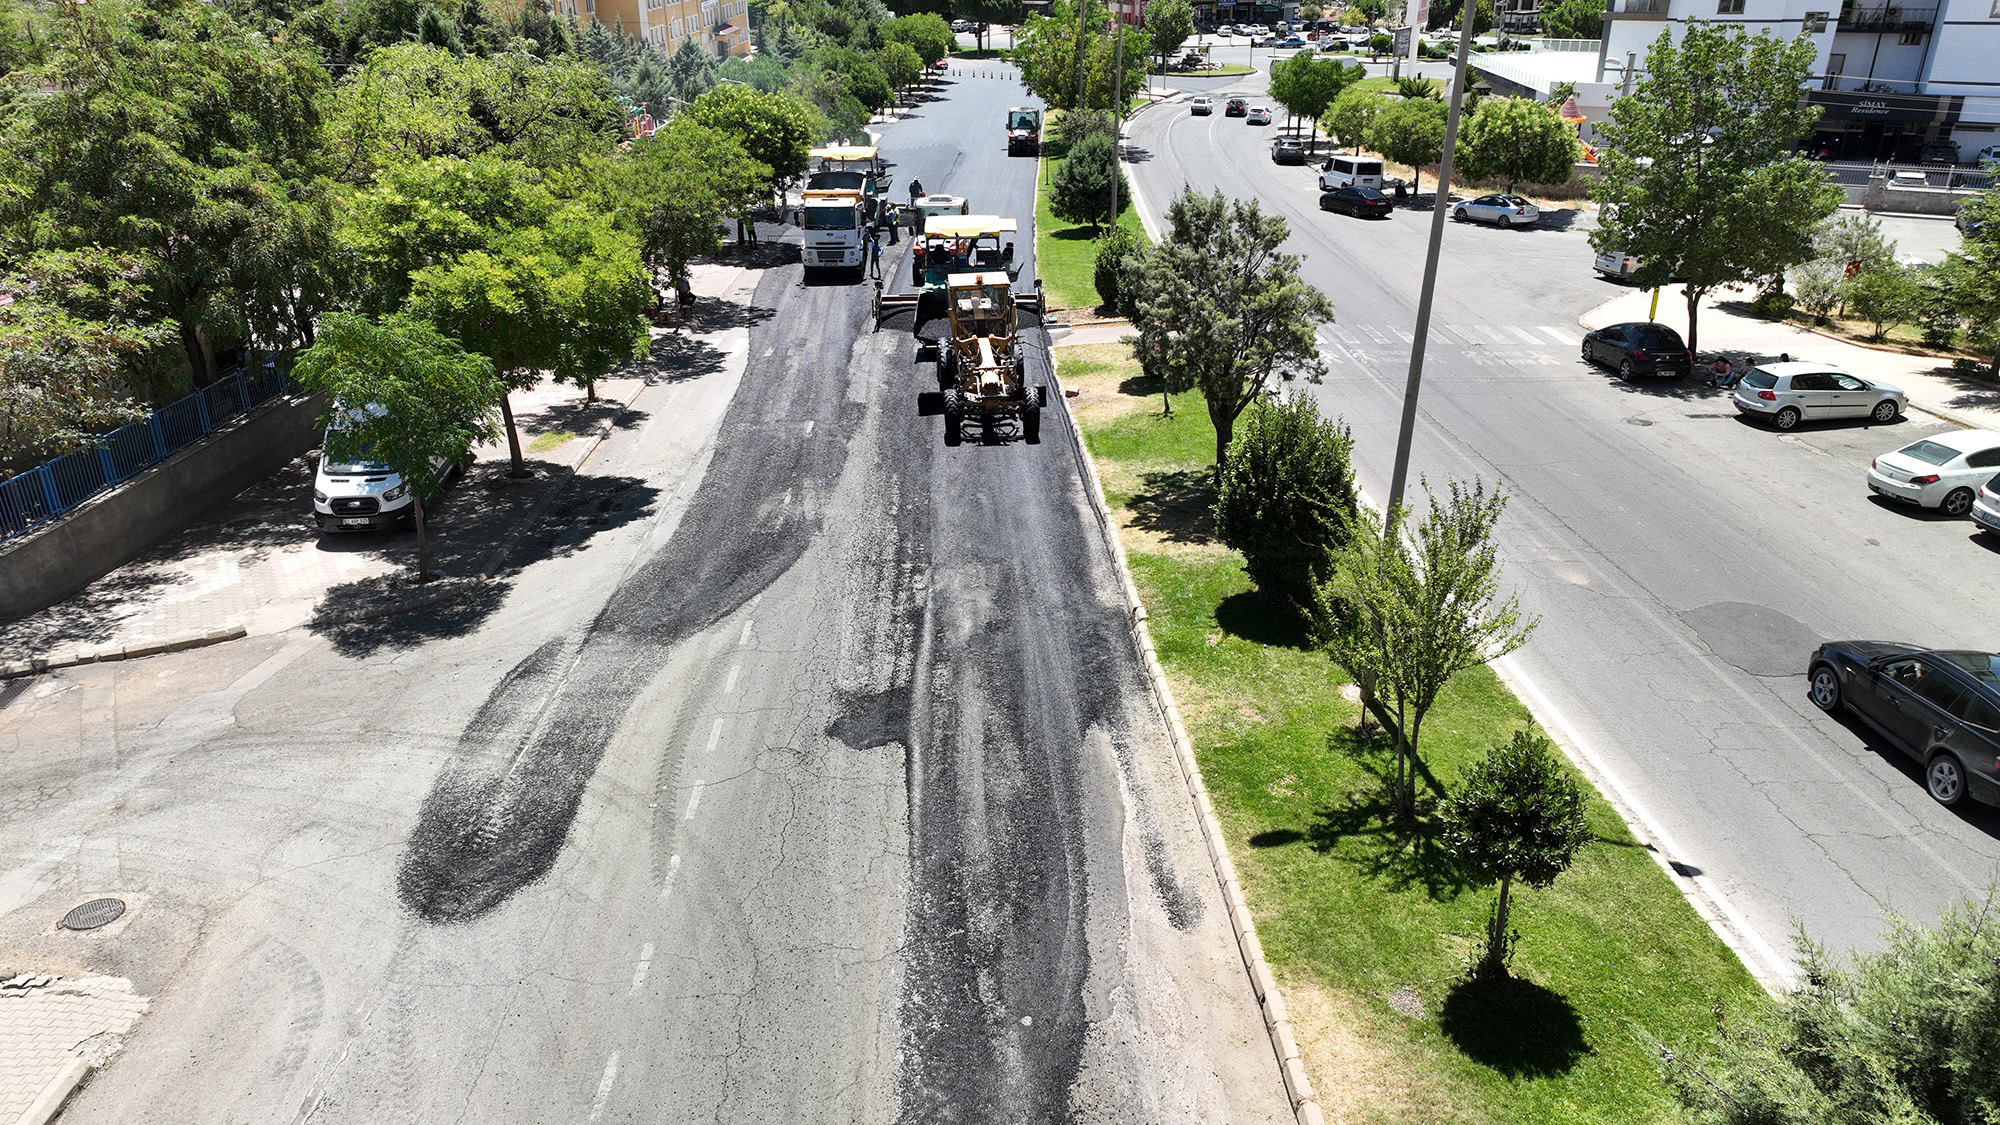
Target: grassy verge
1065	253
1369	931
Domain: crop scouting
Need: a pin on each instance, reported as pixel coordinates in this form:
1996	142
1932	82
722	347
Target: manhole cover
1638	421
1406	1001
97	912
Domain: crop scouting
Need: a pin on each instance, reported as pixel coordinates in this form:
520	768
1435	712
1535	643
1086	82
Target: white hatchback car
1259	115
1943	471
1986	506
1785	394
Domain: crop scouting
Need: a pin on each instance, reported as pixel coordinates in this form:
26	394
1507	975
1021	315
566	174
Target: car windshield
1929	452
1654	336
1984	666
347	457
830	218
1022	121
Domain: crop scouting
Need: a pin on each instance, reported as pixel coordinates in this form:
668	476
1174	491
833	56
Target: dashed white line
645	963
604	1086
729	685
673	869
714	736
745	638
694	801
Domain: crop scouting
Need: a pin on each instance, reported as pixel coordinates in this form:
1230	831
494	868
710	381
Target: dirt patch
1096	372
1346	1042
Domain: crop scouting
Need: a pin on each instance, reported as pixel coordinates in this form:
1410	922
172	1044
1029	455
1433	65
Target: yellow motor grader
981	378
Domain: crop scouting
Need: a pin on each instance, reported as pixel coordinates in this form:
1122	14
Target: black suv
1941	708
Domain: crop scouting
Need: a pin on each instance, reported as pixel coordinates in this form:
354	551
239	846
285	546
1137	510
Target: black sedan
1639	348
1941	708
1235	107
1359	201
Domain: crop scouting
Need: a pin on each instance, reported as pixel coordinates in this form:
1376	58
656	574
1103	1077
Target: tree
1519	814
900	65
1286	497
1219	308
1700	168
1108	265
1404	618
690	72
412	399
1381	44
152	141
1352	111
777	130
1819	284
1520	140
925	33
1886	295
1307	84
1169	23
1905	1035
988	12
1409	131
1047	49
1970	276
1083	185
66	333
1574	19
676	188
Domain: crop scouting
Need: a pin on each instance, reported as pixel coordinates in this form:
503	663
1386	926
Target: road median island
1066	253
1370	931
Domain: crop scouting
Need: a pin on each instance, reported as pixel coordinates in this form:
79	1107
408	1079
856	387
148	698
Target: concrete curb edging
56	1094
100	654
1277	1021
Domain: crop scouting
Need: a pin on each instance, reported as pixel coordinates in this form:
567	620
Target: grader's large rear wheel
1031	422
954	417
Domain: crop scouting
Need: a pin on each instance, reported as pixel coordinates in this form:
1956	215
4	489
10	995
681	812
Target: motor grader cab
981	377
952	244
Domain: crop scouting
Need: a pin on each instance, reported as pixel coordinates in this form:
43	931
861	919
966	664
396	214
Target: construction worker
890	219
874	255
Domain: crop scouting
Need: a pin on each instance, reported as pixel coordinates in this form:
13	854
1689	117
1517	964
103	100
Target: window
1984	459
1811	381
675	30
1929	452
1815	22
1654	5
1849	383
1911	38
1977	712
1728	7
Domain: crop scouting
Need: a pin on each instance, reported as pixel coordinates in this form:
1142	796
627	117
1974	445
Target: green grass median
1371	931
1066	253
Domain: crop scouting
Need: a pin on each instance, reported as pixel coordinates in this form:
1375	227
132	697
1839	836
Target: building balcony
1886	17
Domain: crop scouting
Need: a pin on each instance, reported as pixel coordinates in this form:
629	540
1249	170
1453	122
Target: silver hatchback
1786	394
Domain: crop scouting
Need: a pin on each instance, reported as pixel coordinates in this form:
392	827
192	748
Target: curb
100	654
505	547
56	1093
1277	1022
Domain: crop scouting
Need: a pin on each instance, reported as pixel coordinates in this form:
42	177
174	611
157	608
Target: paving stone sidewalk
52	1031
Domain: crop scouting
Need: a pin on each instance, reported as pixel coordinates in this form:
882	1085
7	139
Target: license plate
361	521
1876	489
1985	519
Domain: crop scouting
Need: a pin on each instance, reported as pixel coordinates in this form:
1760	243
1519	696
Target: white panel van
1344	171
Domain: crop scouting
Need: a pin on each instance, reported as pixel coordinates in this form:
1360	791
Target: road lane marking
714	736
1560	336
1522	333
673	869
604	1086
745	638
645	963
694	802
729	685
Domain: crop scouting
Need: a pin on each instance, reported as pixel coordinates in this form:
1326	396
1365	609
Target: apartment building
1890	78
722	26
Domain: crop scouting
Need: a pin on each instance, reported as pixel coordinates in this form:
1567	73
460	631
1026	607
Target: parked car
960	26
1615	264
1909	178
1288	150
1784	394
353	492
1943	471
1938	152
1343	169
1292	44
1638	348
1986	506
1941	708
1500	210
1258	115
1201	106
1357	201
1235	107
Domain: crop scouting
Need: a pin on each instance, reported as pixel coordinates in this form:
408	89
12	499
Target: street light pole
1117	116
1407	431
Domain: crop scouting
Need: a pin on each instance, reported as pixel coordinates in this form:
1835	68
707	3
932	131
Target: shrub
1109	260
1885	296
1285	496
1082	190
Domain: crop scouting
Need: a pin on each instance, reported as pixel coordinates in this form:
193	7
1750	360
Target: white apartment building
1890	77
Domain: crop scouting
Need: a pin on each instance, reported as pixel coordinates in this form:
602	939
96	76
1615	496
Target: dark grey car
1941	708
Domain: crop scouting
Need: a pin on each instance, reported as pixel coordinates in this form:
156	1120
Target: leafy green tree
1574	19
1520	140
1352	111
676	188
1307	84
1700	168
777	130
761	72
1446	13
1970	275
1220	308
1820	284
1047	49
900	65
151	141
1905	1035
1519	814
416	401
858	75
1381	44
1286	496
926	33
1886	295
66	335
1169	23
1409	131
1405	617
1082	190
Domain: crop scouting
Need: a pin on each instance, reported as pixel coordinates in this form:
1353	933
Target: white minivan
1343	170
353	493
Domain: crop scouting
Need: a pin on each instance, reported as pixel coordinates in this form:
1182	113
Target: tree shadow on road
1514	1026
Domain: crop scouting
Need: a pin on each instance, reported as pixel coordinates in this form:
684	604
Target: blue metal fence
59	484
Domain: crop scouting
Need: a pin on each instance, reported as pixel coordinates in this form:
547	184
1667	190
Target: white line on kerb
645	963
694	801
673	869
604	1086
729	685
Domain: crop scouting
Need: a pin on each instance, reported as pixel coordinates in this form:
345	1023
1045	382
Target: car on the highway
1500	210
1986	506
1636	348
1258	115
1288	150
1357	201
1235	107
1785	394
1201	106
1940	707
1943	471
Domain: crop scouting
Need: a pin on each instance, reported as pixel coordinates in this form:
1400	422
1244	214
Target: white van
1615	264
352	493
1344	171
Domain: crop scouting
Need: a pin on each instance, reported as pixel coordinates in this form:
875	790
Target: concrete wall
104	532
1878	195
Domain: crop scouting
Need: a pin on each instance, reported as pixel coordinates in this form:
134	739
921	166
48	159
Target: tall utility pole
1082	8
1400	475
1117	116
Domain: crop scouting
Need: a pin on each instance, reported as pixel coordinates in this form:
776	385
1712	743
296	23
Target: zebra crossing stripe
1559	336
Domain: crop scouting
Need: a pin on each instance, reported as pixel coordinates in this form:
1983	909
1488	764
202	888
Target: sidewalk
255	565
1728	325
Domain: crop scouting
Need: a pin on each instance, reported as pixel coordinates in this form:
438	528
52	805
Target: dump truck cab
1024	131
848	168
836	229
980	373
